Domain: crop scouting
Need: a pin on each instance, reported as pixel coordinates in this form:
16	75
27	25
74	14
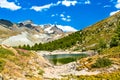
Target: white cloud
40	8
69	3
68	20
61	15
65	17
67	28
87	2
68	16
66	3
59	2
52	15
9	5
112	13
118	4
106	6
45	7
118	1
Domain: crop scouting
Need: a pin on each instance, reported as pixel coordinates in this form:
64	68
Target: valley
34	52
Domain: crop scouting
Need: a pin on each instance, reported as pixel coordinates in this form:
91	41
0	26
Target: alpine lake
59	59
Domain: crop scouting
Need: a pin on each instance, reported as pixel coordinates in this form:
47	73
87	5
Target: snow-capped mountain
27	32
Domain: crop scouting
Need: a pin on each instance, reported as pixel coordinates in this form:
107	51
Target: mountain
90	38
27	33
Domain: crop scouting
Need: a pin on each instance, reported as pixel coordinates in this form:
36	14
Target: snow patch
48	30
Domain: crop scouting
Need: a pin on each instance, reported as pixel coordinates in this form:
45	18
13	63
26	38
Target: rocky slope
27	32
18	64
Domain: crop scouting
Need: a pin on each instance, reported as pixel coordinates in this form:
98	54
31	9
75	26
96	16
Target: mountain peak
6	22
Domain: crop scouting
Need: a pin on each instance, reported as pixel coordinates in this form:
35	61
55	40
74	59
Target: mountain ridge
13	35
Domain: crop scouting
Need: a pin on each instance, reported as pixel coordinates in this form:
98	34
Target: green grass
2	64
4	53
105	76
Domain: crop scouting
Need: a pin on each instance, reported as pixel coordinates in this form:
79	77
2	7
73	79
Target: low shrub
102	62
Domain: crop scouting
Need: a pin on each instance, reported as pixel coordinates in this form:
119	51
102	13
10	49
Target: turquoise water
64	58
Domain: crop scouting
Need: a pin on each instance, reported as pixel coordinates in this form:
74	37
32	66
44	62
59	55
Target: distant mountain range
27	32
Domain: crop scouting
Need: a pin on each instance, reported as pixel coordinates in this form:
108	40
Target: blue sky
73	13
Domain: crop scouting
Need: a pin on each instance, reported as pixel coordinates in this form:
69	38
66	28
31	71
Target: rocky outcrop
6	22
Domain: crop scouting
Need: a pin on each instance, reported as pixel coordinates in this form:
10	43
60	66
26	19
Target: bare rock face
6	22
50	29
57	30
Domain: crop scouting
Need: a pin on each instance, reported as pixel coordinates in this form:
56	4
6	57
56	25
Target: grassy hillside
20	64
107	62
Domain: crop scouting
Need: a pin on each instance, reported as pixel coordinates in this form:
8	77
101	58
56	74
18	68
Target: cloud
45	7
40	8
9	5
53	15
66	3
112	13
106	6
61	15
118	4
69	3
87	2
65	18
68	16
67	28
